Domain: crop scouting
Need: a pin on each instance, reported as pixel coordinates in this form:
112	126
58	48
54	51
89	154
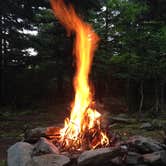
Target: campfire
82	130
82	141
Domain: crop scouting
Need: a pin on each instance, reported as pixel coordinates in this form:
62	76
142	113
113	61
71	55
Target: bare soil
14	123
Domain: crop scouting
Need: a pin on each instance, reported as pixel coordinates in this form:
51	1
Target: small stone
34	135
49	160
98	157
19	154
123	115
156	158
146	126
158	124
118	119
43	146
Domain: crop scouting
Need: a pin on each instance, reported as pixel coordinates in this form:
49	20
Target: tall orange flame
84	120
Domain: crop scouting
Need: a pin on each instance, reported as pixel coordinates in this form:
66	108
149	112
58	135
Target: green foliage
132	45
44	16
129	10
141	43
3	163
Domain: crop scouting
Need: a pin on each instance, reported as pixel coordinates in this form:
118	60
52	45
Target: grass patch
3	163
127	130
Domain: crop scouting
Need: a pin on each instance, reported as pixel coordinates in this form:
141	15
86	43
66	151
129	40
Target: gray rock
19	154
163	146
43	146
123	115
146	126
117	161
34	135
144	145
158	124
156	158
98	157
49	160
118	119
134	158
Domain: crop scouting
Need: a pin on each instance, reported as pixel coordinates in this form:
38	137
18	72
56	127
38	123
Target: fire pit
82	141
39	149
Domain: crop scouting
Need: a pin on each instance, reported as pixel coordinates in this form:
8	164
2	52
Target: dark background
129	67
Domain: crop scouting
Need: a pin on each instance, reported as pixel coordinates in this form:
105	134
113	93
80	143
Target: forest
37	63
129	65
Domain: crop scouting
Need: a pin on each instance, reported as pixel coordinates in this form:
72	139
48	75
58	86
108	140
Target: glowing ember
82	130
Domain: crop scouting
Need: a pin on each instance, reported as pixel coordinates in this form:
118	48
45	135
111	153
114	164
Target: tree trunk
132	96
162	95
142	97
1	62
157	96
106	25
3	51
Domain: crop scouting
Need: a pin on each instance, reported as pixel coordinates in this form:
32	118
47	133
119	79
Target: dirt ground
14	123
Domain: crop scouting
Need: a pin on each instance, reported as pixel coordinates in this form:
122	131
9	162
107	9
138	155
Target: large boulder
133	158
156	158
19	154
98	157
143	145
49	160
147	126
44	146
